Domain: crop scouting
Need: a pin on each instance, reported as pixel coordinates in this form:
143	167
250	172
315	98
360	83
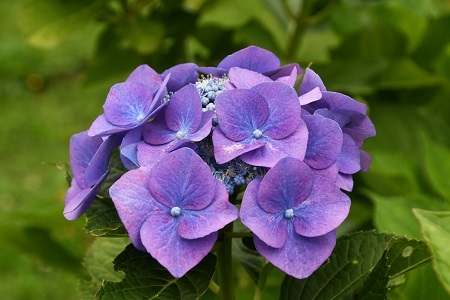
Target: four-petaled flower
293	214
173	209
261	125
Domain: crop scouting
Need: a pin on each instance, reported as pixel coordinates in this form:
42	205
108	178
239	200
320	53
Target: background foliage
59	58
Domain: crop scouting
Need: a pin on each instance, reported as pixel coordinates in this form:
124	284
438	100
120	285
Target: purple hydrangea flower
174	209
89	162
181	121
261	125
129	104
293	215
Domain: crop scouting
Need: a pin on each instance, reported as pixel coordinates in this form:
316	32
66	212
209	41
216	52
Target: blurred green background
58	60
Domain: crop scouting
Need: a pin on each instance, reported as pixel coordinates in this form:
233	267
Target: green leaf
406	74
145	278
436	231
47	23
394	214
401	256
360	267
437	167
351	262
98	262
102	219
419	284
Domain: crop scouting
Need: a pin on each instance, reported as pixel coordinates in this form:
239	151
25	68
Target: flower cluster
194	137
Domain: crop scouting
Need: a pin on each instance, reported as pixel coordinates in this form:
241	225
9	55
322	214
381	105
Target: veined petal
82	150
129	103
156	132
245	79
145	75
99	162
349	158
274	150
300	256
324	210
284	109
178	255
270	227
240	112
310	81
204	127
181	178
197	224
285	186
324	141
184	111
226	149
134	203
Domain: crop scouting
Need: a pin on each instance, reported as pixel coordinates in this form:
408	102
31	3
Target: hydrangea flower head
293	215
173	209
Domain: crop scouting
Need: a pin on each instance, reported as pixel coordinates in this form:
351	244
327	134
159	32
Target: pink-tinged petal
365	160
129	103
178	255
204	128
349	159
324	141
226	149
311	96
134	203
99	163
240	112
251	58
156	132
79	199
173	181
338	101
310	81
271	228
181	75
285	186
145	75
197	224
300	256
324	210
184	111
345	181
245	79
82	150
101	127
274	150
284	109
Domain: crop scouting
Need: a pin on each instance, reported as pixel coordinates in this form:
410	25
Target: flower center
175	211
257	133
181	134
289	213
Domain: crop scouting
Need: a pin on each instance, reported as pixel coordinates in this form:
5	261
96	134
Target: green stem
224	266
299	30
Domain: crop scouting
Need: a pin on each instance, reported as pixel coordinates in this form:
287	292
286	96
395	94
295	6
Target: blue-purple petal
300	256
251	58
181	75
